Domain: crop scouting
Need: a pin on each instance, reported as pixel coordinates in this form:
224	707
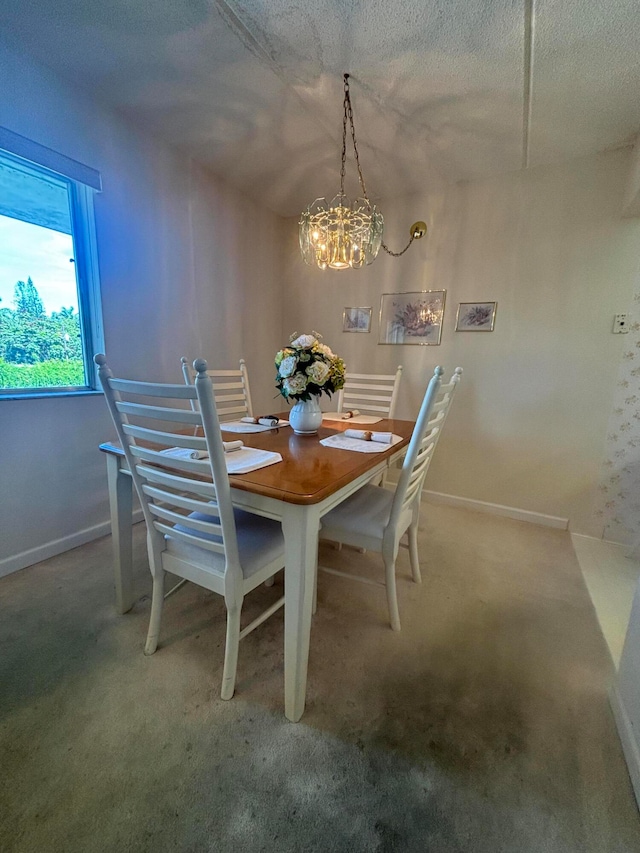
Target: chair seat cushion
260	541
365	513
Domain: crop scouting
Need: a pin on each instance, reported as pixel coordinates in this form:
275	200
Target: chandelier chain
348	113
397	254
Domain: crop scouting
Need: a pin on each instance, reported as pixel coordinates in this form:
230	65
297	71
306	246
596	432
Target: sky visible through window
28	250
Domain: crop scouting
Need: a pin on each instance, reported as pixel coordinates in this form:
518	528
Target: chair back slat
426	434
219	387
441	405
190	504
375	376
375	398
198	541
167	438
228	398
224	381
153	389
182	416
208	527
362	391
369	386
175	481
170	488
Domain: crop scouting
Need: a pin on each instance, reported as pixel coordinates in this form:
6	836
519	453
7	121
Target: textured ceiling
253	88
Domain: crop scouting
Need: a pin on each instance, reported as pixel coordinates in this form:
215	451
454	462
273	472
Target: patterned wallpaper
618	500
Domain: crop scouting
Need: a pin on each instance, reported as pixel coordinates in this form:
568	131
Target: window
50	313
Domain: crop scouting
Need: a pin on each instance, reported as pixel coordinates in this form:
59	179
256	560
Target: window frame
85	249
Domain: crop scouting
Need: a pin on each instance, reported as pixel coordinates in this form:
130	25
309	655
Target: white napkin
367	435
249	426
250	459
340	416
238	458
185	453
354	417
342	441
266	420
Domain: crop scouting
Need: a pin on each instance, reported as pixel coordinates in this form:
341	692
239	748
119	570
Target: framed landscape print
412	318
356	320
476	316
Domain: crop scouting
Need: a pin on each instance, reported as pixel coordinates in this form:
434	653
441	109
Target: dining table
310	481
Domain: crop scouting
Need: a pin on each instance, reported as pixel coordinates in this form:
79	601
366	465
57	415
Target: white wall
188	267
550	245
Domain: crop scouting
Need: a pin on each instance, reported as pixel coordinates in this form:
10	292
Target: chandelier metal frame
342	234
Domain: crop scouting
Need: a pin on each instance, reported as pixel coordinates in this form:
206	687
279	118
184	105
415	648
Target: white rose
318	372
304	342
326	350
287	366
295	385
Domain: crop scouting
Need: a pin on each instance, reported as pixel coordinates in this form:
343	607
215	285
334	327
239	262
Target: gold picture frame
412	318
356	319
476	316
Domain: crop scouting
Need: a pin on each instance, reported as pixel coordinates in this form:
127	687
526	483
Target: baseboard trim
498	509
51	549
627	739
621	545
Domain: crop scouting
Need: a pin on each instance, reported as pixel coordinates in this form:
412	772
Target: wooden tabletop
309	471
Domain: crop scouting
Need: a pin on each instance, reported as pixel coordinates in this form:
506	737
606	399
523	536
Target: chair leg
157	601
231	653
392	597
314	606
413	553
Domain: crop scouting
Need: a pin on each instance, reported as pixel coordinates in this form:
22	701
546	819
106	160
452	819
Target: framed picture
476	316
356	320
412	318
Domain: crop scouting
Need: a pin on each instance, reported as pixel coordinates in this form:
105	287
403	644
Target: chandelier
341	234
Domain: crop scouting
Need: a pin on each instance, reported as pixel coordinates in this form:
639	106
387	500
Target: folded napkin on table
250	459
346	441
240	461
367	435
341	416
353	415
185	453
249	424
263	420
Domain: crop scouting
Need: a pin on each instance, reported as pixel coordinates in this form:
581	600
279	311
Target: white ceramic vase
305	417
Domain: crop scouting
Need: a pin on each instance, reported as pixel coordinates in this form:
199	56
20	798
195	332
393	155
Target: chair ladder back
230	388
191	485
427	431
416	451
371	393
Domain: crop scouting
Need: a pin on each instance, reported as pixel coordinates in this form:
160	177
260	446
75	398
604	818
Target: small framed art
356	320
412	318
476	316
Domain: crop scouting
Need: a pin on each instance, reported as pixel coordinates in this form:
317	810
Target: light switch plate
620	324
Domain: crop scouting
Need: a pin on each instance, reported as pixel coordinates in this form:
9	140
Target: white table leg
300	526
121	504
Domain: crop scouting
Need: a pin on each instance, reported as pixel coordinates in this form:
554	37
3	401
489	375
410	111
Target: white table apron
300	526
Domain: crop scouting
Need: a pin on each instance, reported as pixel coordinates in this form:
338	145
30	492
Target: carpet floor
482	726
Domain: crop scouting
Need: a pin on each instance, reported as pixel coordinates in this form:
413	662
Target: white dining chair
371	394
193	530
231	390
375	518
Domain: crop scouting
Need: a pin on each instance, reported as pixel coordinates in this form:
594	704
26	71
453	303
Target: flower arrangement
308	368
